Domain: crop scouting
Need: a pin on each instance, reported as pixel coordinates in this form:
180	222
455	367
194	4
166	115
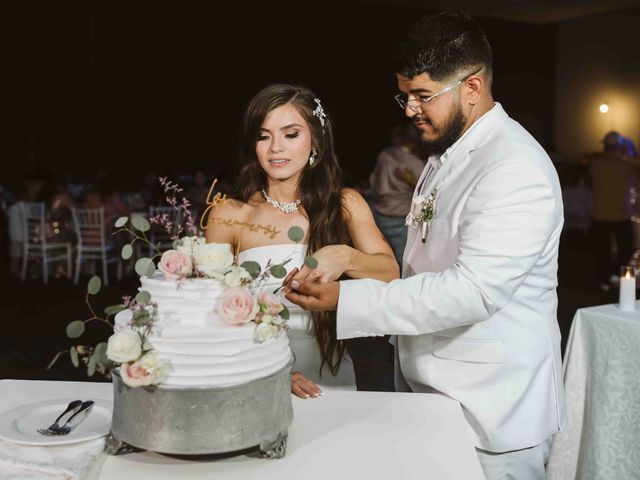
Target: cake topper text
220	199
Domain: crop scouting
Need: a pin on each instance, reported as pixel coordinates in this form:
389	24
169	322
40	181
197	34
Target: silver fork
75	419
51	429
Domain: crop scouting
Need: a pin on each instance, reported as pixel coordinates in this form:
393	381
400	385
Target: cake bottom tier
205	420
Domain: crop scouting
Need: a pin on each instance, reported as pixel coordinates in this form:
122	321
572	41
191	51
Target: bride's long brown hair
319	188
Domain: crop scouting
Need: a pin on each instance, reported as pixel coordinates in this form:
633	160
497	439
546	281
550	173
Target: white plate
19	424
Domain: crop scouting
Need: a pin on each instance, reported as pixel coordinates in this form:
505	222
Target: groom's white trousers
525	464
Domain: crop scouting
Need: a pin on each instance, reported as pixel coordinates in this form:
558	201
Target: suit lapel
425	171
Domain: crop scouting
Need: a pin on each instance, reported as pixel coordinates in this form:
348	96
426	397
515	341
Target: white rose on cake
237	276
265	331
213	259
188	245
124	346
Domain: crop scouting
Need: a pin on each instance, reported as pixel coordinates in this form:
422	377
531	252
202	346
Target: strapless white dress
301	339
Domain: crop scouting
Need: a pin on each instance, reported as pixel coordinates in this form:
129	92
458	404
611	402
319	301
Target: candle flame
627	274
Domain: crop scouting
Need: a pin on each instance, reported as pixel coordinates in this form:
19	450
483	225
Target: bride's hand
333	261
302	387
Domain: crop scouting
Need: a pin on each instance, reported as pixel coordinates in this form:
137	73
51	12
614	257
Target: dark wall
597	61
149	85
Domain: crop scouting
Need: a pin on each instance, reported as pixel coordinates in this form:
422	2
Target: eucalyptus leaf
100	353
126	252
252	267
145	267
74	356
75	329
143	297
284	313
121	222
113	309
296	234
140	317
91	367
106	365
278	271
94	285
140	223
311	262
54	360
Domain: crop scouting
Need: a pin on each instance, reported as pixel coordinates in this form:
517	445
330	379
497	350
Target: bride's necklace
284	207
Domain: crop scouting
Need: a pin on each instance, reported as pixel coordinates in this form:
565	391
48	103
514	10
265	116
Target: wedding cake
202	348
212	347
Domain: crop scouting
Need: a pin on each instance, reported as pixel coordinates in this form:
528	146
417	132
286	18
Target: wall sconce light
604	108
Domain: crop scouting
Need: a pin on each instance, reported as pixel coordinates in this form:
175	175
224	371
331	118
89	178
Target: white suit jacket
475	314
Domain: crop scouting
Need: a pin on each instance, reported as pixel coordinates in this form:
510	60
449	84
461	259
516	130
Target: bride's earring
312	158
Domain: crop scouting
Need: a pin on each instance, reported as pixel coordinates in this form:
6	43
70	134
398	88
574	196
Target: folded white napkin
79	461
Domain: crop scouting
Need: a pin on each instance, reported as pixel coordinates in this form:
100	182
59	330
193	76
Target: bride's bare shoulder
353	201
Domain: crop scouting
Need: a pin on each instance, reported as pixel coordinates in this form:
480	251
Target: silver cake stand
198	421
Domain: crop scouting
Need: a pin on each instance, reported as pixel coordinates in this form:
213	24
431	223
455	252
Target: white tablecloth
340	435
69	462
602	385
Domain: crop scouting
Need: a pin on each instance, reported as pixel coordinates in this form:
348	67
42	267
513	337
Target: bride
289	177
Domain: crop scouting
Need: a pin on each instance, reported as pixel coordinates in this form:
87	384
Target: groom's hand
312	296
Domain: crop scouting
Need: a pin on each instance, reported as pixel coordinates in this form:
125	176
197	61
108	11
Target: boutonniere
423	209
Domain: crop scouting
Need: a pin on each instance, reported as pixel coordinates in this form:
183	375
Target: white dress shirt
475	313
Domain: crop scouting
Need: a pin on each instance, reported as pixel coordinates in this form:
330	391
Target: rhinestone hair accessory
319	112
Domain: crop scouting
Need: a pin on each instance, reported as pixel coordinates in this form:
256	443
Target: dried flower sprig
174	197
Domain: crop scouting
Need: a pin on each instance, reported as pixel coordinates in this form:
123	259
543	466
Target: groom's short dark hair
443	45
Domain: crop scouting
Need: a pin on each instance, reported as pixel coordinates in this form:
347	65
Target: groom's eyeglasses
416	103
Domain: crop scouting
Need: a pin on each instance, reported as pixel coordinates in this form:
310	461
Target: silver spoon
76	418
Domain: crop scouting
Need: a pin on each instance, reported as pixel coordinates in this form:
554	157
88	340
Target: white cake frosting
202	348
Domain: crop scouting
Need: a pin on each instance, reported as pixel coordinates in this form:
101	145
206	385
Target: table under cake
339	435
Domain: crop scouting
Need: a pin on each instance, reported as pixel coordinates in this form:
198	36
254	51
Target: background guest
392	182
103	194
613	175
14	217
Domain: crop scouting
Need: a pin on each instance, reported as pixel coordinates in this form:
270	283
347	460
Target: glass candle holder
628	288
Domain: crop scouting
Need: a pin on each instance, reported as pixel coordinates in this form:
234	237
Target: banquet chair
92	242
34	235
158	236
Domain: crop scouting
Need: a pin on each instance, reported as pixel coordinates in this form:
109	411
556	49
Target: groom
475	313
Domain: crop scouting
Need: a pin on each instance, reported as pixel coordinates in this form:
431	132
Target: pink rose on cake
272	317
237	306
135	375
270	303
148	370
175	264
